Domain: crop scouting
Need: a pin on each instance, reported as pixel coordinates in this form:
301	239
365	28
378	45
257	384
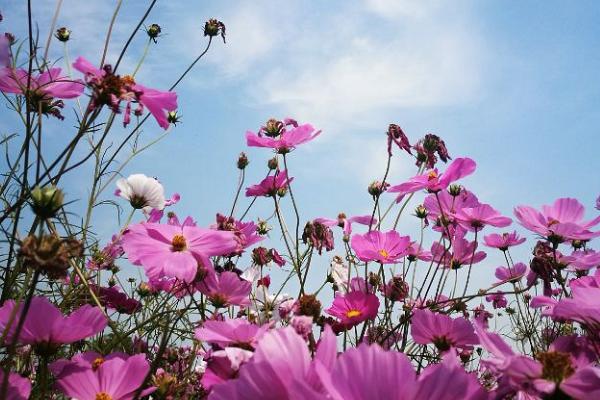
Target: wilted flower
396	135
318	235
50	254
214	27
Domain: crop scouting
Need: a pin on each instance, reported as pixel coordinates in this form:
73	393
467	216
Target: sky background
513	85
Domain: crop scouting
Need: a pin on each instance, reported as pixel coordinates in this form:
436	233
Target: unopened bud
46	201
454	190
63	34
173	118
153	31
421	212
273	163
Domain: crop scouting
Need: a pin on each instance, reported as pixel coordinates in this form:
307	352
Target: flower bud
262	228
112	281
421	212
281	191
46	201
273	163
63	34
153	31
242	161
143	289
173	118
454	190
376	188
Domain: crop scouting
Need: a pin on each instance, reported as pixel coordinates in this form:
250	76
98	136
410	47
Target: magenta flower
91	376
232	332
416	252
462	252
582	260
384	247
511	274
441	330
4	53
346	222
354	307
226	289
474	219
44	89
244	231
503	241
112	297
448	380
280	359
45	326
583	307
110	90
286	141
271	185
175	251
18	388
562	220
449	204
432	181
366	372
498	300
555	373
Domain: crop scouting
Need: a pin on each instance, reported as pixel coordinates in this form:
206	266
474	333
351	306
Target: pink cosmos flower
462	252
369	372
563	219
354	307
235	332
432	181
384	247
279	368
44	88
19	387
112	297
474	219
441	330
346	222
45	325
110	90
511	274
244	231
503	241
226	289
498	300
223	365
175	251
416	252
91	376
554	374
4	52
449	204
286	141
271	185
583	307
582	260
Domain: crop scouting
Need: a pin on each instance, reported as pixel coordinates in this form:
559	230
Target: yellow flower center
179	243
103	396
128	80
97	363
432	175
552	222
353	313
384	253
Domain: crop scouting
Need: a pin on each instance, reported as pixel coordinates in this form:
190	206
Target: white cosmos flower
142	191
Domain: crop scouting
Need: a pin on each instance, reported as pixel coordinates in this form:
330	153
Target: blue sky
513	85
